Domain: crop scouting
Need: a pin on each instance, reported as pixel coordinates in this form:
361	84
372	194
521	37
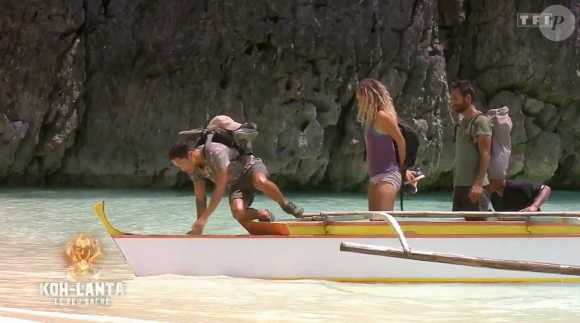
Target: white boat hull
311	250
303	257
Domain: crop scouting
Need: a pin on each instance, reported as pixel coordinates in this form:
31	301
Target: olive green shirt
467	152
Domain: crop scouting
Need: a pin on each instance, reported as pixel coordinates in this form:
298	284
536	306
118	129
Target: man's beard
461	108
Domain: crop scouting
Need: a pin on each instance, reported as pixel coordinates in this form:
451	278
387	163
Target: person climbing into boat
519	195
470	180
386	149
242	173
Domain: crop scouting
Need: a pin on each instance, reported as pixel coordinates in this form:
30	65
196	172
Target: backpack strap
472	126
401	193
401	197
207	140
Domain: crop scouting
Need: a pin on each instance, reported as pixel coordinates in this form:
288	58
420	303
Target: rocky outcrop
94	93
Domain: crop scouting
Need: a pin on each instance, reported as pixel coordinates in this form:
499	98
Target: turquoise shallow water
35	225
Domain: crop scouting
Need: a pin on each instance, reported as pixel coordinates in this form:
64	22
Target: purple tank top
381	156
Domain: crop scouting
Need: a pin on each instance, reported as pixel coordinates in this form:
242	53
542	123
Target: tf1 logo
539	20
556	23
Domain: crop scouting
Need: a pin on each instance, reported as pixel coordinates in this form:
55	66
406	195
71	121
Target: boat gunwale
349	236
535	223
116	234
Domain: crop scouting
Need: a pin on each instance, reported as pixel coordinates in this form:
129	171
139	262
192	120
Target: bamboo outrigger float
311	248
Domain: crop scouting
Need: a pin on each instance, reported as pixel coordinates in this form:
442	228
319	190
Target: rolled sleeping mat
190	135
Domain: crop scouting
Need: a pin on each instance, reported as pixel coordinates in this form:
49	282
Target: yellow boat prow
100	210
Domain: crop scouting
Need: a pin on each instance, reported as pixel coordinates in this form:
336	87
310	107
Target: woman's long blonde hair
372	97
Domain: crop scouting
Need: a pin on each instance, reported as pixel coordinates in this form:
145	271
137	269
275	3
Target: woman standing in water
379	120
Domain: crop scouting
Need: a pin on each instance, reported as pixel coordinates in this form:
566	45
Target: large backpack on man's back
501	143
223	129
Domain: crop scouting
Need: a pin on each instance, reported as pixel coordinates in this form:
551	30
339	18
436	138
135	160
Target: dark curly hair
180	150
465	88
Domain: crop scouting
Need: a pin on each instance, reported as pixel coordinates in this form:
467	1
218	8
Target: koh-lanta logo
556	23
81	254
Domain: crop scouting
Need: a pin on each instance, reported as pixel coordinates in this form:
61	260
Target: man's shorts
243	186
462	203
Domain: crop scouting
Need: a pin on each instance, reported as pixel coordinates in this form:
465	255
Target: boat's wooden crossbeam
440	214
529	266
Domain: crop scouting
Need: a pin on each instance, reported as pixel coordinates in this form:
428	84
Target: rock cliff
93	93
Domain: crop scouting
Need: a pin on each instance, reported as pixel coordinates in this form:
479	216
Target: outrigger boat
310	248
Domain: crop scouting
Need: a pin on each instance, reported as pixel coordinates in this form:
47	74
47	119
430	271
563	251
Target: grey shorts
243	186
393	177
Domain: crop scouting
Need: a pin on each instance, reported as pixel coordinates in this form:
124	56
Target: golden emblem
82	251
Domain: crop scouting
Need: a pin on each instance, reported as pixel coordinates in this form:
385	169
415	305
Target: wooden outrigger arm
454	259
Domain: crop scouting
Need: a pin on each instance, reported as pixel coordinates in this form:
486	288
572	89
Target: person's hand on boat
475	192
409	176
197	227
530	208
